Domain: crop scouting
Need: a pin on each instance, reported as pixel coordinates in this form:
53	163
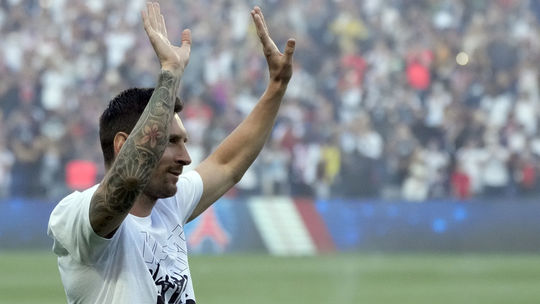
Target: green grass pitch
32	277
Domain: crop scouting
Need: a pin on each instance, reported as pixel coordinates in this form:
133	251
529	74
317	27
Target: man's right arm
137	158
143	148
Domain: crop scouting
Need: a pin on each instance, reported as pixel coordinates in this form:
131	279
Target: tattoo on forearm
140	153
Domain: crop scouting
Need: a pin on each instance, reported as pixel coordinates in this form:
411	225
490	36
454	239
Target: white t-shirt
144	262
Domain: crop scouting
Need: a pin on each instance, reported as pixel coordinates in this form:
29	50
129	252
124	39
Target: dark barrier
287	226
433	226
23	224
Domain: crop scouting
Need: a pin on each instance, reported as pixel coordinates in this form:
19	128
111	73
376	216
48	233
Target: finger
146	22
154	15
157	16
258	11
289	50
186	38
259	21
150	9
163	27
268	44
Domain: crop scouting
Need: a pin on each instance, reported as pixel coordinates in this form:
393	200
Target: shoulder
189	186
74	200
72	208
188	194
190	177
69	226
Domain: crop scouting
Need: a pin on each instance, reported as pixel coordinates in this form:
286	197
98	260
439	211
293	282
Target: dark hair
121	115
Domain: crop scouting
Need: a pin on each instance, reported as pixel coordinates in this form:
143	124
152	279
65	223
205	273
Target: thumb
289	49
186	38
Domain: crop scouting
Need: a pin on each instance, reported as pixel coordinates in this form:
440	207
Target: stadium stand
413	100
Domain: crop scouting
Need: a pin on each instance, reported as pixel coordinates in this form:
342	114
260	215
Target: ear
119	140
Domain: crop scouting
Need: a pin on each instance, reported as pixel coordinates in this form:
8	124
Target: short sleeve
190	188
70	229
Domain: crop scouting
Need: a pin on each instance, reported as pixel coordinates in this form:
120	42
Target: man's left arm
228	163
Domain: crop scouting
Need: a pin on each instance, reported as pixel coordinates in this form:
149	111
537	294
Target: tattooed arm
142	149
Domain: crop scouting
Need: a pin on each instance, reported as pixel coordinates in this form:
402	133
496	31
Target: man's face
165	176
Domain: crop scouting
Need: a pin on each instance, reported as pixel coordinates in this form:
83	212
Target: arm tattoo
138	157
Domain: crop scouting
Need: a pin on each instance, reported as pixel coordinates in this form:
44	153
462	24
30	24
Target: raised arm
141	150
226	166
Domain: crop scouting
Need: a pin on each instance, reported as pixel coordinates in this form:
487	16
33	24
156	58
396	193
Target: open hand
171	58
279	64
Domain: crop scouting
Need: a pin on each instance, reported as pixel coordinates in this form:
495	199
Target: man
122	241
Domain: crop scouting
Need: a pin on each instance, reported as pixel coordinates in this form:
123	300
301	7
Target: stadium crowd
400	99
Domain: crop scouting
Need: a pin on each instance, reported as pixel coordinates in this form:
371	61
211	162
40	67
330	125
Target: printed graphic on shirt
168	266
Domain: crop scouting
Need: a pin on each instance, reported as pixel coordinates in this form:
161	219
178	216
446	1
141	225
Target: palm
170	56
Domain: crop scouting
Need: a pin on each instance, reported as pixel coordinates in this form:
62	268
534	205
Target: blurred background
403	167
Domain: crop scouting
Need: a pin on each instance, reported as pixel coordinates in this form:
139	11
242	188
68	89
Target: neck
143	205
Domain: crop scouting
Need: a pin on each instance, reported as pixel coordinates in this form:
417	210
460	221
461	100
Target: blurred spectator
495	173
437	161
470	159
526	174
329	167
6	161
274	170
415	187
460	183
27	145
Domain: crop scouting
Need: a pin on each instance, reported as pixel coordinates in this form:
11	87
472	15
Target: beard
161	187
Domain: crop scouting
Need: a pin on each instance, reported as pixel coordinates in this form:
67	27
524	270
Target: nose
182	156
